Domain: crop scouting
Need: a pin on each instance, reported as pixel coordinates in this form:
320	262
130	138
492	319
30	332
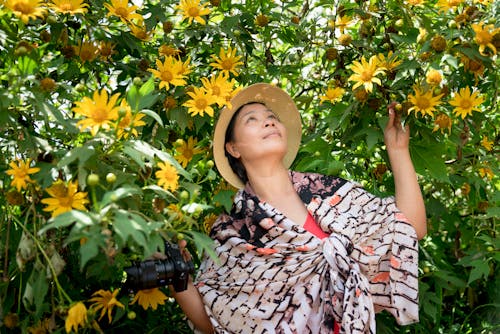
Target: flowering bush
107	110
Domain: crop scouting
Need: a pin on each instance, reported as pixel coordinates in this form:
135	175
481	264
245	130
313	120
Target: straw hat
279	102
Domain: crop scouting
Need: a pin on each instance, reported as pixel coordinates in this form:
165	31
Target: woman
303	252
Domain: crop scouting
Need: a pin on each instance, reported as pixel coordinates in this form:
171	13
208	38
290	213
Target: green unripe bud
110	178
51	19
210	164
137	81
122	112
21	51
184	195
131	315
93	179
80	88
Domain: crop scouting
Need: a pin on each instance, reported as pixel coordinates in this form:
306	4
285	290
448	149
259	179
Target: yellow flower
175	212
192	9
424	101
64	198
484	36
106	50
474	66
445	5
389	63
486	143
26	9
342	22
186	151
200	103
415	2
169	72
77	316
42	327
486	172
219	87
466	102
121	9
233	93
365	73
21	173
149	298
167	176
105	301
99	112
465	188
128	123
433	77
167	50
69	6
227	61
209	221
332	94
422	35
87	51
185	68
442	122
139	30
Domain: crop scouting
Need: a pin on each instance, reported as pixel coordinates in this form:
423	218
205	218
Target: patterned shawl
273	276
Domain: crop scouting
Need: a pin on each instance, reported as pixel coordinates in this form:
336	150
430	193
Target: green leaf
153	115
117	194
88	250
82	153
26	65
225	198
128	225
140	150
204	244
428	160
159	190
68	218
480	268
451	282
143	97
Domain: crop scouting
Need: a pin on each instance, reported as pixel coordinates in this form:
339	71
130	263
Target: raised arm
191	302
408	194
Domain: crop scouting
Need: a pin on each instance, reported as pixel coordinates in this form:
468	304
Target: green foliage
49	262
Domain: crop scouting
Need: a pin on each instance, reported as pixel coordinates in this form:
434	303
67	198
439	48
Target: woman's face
257	133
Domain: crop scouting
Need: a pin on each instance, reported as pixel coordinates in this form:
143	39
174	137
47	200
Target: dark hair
235	163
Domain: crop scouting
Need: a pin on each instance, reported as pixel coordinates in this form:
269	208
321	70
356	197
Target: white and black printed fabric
273	276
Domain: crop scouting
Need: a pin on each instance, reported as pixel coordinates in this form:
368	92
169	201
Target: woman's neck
272	184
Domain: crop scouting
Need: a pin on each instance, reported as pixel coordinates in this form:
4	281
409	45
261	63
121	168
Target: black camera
155	273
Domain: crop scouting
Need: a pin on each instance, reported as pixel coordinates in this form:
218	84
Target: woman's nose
269	122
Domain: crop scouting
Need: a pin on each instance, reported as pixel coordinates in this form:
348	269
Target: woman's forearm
192	304
408	194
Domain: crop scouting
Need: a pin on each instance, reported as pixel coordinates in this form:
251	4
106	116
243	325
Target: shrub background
145	173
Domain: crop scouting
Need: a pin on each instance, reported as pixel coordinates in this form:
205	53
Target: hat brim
279	102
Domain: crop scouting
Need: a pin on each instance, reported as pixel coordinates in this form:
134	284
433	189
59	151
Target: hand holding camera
174	269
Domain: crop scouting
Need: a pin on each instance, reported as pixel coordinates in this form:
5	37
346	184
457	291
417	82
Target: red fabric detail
336	328
312	226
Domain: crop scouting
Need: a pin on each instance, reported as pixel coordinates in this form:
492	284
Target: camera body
150	274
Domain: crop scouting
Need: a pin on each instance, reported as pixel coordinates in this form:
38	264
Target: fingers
184	251
392	115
